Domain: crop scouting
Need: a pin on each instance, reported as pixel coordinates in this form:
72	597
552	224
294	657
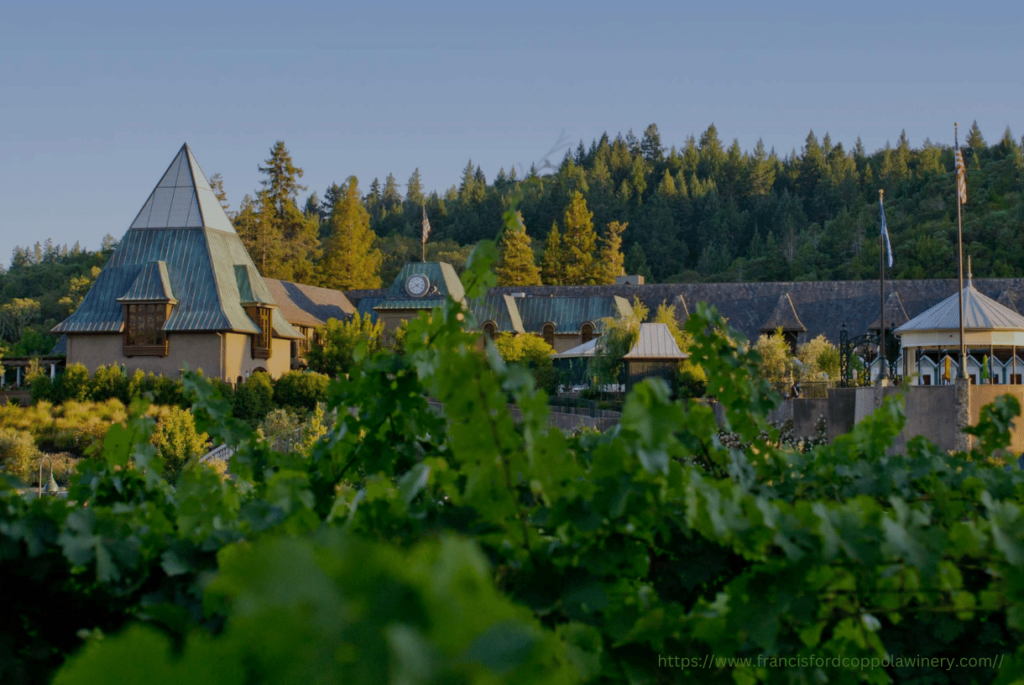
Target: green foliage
776	362
618	335
819	360
338	345
301	390
517	265
254	398
18	453
412	545
177	441
72	384
350	259
109	382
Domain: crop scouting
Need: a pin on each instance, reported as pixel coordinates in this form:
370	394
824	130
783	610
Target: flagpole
883	372
960	261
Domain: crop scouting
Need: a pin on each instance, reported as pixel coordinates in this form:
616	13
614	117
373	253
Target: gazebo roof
981	313
655	342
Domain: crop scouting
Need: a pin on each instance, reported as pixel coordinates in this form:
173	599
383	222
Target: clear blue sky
95	99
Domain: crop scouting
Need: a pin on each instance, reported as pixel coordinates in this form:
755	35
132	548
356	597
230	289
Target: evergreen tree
517	265
297	234
650	146
391	196
414	189
257	228
710	153
578	243
975	139
636	262
351	261
610	259
551	267
281	184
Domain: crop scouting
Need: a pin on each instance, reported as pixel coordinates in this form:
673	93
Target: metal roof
980	313
198	264
443	282
410	303
367	306
568	314
655	342
501	309
151	285
308	305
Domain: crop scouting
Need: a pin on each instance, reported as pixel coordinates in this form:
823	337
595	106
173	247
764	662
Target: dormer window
146	306
262	341
143	329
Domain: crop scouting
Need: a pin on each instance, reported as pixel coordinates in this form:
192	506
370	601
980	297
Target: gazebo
931	340
654	354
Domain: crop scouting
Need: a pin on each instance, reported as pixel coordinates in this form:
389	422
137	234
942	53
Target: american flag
961	176
426	226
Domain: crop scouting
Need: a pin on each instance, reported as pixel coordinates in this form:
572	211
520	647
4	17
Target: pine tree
517	265
711	154
391	196
610	258
650	145
667	187
257	228
414	189
636	262
551	267
578	243
975	139
281	184
351	261
296	235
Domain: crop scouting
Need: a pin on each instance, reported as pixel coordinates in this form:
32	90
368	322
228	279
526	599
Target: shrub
691	381
71	384
41	388
254	399
334	347
177	441
301	390
110	382
18	453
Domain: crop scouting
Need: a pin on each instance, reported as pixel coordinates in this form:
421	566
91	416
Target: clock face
417	285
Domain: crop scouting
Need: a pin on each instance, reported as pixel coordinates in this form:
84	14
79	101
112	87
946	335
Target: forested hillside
702	210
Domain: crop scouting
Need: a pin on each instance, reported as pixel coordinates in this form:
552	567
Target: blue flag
885	232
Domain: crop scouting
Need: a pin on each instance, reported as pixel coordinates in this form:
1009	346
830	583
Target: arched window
548	331
587	332
490	330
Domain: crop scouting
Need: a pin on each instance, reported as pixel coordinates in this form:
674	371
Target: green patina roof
198	264
410	303
366	307
569	313
501	309
153	284
443	282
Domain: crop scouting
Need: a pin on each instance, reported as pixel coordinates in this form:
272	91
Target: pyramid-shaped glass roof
183	199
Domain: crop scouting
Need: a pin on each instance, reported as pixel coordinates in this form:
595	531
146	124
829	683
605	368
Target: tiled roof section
980	313
784	316
894	313
1006	299
569	313
501	309
308	305
153	284
443	281
183	199
654	342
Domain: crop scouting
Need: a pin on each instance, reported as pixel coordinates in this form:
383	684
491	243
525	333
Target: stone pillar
17	382
963	414
880	385
53	371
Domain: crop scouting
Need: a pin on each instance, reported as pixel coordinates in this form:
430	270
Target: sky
96	98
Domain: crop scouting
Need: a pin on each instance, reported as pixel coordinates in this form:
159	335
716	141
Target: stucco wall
987	394
931	412
197	350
